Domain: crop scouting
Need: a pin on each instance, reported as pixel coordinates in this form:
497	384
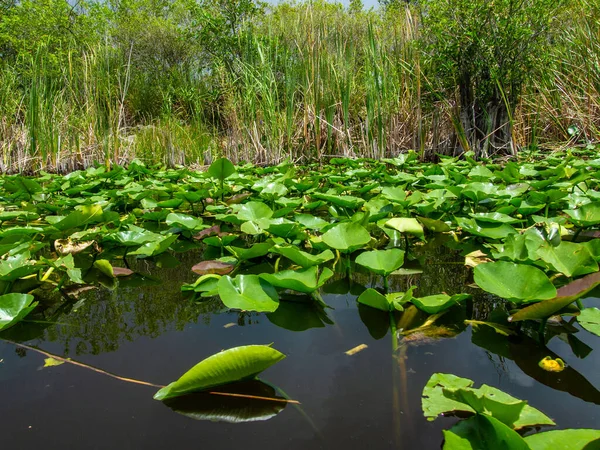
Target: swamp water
146	330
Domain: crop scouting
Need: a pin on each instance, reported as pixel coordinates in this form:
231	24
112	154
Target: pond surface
148	331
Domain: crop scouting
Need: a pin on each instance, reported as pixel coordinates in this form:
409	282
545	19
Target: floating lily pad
14	308
235	364
248	292
382	262
515	282
347	237
589	318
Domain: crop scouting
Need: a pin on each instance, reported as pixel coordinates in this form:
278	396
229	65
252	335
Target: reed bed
303	81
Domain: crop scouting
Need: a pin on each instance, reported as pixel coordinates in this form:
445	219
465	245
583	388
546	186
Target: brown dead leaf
214	266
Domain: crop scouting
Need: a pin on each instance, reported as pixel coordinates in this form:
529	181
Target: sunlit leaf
235	364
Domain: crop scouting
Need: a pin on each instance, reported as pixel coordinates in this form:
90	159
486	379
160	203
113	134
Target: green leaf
581	439
447	393
235	364
104	267
305	280
346	201
221	168
434	402
437	226
14	308
132	238
17	266
301	258
564	297
183	221
485	229
253	211
434	304
515	282
311	222
483	433
171	203
589	318
494	217
255	251
568	258
388	302
382	262
347	237
406	225
80	218
155	247
248	292
585	216
374	299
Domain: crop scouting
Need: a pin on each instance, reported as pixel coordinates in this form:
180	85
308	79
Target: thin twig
143	383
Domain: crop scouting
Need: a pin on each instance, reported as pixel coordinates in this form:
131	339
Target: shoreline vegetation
181	82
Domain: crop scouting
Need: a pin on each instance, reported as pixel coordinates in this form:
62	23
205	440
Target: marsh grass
310	81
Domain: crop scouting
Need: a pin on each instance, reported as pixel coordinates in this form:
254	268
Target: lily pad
589	318
301	258
434	304
406	225
483	433
14	308
305	280
248	292
382	262
347	237
515	282
235	364
208	267
579	439
585	216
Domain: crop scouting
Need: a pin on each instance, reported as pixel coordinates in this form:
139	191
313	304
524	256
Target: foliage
496	417
235	364
184	82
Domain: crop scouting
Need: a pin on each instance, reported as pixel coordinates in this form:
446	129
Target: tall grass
307	81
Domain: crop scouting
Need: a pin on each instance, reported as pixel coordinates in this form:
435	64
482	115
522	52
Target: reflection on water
223	408
146	328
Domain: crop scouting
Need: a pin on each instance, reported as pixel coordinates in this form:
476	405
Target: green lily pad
406	225
515	282
347	237
14	308
221	169
248	292
305	280
301	258
253	211
382	262
564	296
255	251
568	258
311	222
434	304
494	217
578	439
183	221
485	229
589	318
483	433
447	393
585	216
235	364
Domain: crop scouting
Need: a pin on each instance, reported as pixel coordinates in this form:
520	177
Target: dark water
368	400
